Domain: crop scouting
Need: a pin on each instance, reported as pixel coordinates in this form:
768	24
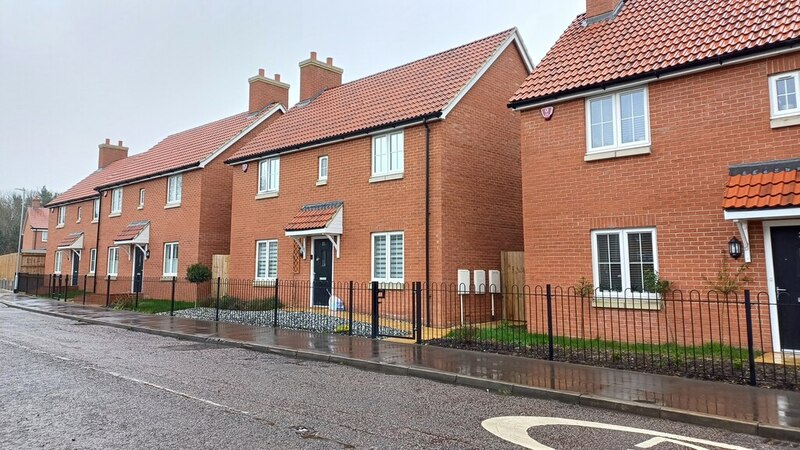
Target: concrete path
764	412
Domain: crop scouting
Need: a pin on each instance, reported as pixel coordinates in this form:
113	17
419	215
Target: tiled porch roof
70	239
764	185
312	217
131	231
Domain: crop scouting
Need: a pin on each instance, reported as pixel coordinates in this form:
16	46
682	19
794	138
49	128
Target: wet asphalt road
68	385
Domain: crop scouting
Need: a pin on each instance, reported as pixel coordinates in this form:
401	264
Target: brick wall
71	225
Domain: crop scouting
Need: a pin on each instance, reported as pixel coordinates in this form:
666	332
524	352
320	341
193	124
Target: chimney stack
316	76
601	9
36	202
110	153
264	90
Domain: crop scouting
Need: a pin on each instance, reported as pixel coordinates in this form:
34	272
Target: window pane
274	174
632	116
602	124
396	152
262	176
380	154
261	260
273	260
609	262
396	256
379	257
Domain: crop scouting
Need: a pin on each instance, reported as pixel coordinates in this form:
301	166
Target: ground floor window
92	260
388	259
57	264
624	260
171	259
267	260
113	261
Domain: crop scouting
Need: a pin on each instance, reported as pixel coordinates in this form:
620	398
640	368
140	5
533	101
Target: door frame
773	299
311	294
134	250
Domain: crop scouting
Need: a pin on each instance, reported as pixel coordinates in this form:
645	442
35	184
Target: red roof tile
131	231
177	151
70	239
414	90
38	217
312	217
774	189
650	35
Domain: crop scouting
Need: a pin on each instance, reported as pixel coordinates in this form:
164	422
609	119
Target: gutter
334	139
660	74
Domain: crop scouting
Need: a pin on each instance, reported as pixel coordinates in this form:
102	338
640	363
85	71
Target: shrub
728	281
198	273
654	283
584	288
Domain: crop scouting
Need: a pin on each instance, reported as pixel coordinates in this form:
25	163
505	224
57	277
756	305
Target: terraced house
405	175
151	215
656	135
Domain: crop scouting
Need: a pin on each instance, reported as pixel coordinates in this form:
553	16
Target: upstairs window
80	213
174	188
266	260
62	215
44	236
96	210
141	198
624	259
387	154
785	94
617	120
116	201
269	172
322	172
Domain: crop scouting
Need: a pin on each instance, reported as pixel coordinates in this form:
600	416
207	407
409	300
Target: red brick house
153	214
653	133
34	228
405	175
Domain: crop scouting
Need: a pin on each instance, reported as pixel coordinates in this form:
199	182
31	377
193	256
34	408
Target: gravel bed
299	320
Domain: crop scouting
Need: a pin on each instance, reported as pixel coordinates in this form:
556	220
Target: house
653	133
34	228
155	213
405	175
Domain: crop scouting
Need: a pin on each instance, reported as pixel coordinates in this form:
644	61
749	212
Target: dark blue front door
786	264
323	272
138	268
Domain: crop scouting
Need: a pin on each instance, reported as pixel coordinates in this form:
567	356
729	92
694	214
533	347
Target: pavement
773	414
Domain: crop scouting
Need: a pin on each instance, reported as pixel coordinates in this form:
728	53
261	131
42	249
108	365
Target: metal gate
397	311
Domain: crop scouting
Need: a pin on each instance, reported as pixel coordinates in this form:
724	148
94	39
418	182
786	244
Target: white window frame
141	198
80	213
115	260
265	177
773	94
320	175
268	243
171	271
92	260
44	235
118	207
624	261
57	262
617	121
388	278
62	215
390	170
96	210
174	189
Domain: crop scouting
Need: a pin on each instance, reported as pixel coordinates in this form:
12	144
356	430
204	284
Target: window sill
617	153
264	283
140	207
172	205
168	277
77	221
60	226
90	275
390	285
115	214
784	121
111	277
387	177
95	220
322	182
263	195
612	302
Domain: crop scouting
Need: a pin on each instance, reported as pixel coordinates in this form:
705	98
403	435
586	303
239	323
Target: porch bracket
334	238
744	233
76	252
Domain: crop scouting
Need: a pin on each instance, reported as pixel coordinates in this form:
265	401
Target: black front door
786	264
323	271
138	267
76	264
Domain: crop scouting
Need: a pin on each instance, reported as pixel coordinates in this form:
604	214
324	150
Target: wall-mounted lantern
735	248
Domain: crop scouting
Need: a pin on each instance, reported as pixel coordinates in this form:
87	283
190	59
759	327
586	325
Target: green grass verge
151	306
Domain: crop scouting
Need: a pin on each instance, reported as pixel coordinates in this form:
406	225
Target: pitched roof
38	217
175	152
656	36
312	217
767	185
422	88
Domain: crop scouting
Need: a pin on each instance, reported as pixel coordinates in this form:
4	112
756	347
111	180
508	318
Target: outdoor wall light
735	248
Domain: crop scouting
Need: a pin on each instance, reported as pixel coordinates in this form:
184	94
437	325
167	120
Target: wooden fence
31	263
513	271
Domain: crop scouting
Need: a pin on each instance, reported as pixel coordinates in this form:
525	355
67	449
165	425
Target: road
64	384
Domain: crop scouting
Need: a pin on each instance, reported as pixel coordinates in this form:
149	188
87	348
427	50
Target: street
65	384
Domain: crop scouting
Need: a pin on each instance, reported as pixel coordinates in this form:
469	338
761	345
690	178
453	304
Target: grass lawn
153	306
518	336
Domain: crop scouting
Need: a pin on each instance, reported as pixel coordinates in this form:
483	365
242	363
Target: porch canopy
318	219
73	242
762	191
136	234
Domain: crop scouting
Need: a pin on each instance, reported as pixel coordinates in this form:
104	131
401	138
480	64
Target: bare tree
9	215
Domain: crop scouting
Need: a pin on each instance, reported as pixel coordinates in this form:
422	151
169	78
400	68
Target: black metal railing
735	337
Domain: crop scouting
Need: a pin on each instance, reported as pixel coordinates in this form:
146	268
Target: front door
138	268
323	272
76	264
786	264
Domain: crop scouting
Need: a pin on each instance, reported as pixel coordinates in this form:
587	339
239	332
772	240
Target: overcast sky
76	72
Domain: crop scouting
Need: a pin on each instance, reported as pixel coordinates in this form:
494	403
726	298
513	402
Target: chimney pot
314	56
108	141
329	61
119	143
277	77
261	72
